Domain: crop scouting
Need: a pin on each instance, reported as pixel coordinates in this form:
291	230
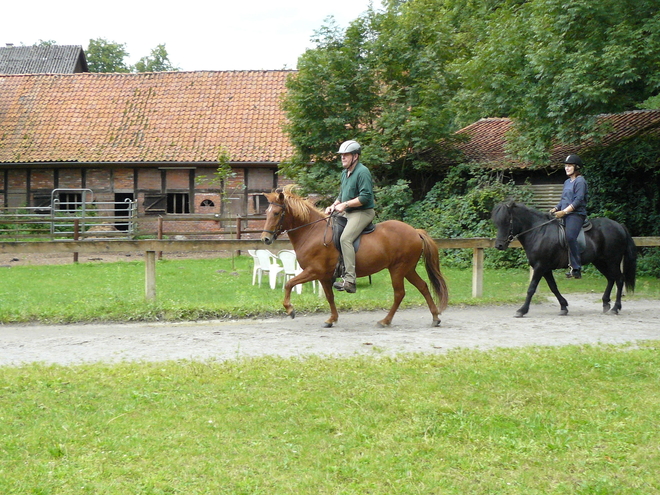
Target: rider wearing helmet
573	208
356	202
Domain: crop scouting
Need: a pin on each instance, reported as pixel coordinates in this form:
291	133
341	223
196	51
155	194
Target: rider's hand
552	210
560	214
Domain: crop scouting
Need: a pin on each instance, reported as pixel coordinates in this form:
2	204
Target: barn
484	144
154	138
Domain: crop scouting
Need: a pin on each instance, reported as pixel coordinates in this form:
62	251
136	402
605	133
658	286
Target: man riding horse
356	203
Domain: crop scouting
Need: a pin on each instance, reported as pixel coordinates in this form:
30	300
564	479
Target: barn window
155	204
41	203
178	203
70	201
207	202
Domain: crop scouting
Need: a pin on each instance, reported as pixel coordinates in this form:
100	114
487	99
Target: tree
158	61
404	79
106	56
377	83
553	65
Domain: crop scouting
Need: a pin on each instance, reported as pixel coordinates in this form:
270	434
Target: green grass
222	288
571	420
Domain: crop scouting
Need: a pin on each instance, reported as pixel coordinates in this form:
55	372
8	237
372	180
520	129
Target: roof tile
487	137
148	117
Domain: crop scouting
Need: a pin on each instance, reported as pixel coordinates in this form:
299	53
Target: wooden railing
152	246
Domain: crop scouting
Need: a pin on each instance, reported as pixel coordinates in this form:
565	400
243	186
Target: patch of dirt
7	260
462	327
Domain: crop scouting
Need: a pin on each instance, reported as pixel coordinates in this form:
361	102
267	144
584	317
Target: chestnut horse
393	245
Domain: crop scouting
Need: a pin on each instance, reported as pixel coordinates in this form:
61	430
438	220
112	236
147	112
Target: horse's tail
432	263
629	262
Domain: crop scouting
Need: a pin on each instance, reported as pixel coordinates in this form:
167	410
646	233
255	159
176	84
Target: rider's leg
356	222
573	225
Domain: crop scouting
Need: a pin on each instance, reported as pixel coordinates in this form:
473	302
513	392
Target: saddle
582	240
338	225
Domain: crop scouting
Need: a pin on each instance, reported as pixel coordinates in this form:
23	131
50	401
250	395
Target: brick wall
42	179
99	180
70	178
124	179
148	179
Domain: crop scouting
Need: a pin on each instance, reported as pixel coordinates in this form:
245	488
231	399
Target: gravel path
483	327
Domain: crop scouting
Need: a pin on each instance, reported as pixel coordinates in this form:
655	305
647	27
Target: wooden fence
152	246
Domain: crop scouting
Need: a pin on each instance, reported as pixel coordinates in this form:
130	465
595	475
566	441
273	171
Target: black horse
607	244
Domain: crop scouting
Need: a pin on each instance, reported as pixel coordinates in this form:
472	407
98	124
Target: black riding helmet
574	160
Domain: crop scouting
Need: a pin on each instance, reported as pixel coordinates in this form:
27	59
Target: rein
513	237
278	229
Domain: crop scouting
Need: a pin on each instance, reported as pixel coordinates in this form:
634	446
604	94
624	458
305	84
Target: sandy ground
355	333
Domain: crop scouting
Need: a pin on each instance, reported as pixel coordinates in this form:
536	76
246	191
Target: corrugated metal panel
55	59
546	196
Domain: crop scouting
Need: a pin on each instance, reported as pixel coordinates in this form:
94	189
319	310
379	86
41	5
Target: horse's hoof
606	308
435	323
614	311
327	324
519	314
380	324
563	312
292	314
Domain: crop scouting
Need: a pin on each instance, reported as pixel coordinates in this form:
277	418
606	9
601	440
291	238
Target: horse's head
515	220
274	217
502	217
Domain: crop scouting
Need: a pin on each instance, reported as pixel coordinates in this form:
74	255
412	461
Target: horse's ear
280	197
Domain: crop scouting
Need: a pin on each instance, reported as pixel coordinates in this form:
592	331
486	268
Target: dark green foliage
460	206
624	184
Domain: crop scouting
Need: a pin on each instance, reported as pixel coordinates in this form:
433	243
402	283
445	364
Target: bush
460	206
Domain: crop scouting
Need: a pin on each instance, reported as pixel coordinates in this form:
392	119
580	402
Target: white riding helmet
350	147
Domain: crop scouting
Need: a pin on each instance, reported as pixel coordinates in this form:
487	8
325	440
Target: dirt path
468	327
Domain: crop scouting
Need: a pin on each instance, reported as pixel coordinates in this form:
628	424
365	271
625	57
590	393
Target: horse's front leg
552	284
301	278
531	290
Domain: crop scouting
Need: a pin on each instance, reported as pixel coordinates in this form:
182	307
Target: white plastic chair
290	266
256	269
268	264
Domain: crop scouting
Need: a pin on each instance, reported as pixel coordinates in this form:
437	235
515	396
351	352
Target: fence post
160	235
477	272
76	236
150	275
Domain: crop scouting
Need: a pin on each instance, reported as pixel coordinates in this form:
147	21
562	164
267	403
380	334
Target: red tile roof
487	137
149	117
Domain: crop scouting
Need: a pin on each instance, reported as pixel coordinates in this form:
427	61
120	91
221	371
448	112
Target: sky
198	34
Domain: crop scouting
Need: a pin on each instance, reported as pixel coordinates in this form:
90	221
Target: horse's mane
299	207
500	214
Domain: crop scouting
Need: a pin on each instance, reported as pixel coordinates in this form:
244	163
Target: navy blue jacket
574	193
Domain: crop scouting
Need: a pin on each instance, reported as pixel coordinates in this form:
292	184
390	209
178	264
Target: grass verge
570	420
222	288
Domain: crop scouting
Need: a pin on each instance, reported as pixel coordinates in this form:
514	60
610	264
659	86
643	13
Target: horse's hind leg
613	275
399	293
414	278
330	296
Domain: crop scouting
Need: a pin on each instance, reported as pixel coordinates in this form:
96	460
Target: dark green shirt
357	185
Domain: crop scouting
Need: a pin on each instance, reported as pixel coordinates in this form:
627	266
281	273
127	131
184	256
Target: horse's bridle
278	228
512	237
